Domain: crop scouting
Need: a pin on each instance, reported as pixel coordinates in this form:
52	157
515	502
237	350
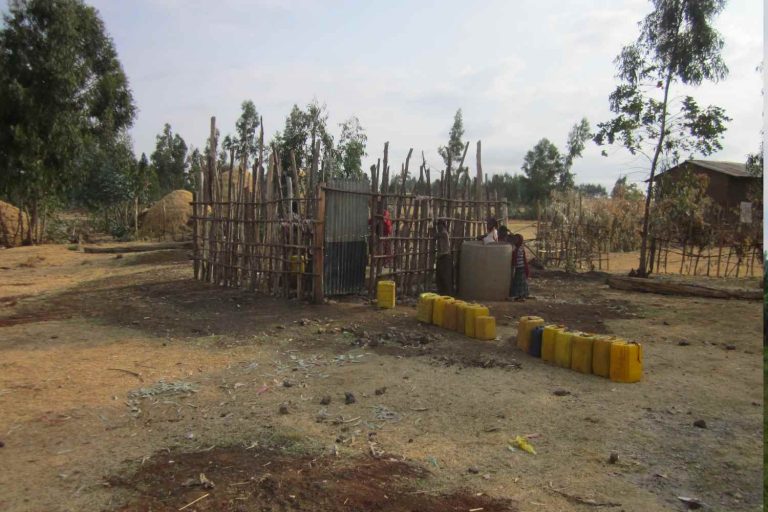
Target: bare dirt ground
253	414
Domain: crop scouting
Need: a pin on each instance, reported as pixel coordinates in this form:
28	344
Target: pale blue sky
520	70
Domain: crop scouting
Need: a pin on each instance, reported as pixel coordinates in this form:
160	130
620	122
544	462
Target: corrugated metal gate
346	228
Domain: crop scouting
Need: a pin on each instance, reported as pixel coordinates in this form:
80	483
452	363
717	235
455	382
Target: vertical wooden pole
319	243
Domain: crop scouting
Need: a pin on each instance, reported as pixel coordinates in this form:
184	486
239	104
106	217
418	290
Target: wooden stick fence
263	229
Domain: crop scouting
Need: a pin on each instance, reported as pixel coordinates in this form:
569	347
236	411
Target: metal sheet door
346	228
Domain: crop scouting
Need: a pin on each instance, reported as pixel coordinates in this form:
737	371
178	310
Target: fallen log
119	249
649	285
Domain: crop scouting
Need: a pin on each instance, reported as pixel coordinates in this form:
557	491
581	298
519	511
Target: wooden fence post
319	243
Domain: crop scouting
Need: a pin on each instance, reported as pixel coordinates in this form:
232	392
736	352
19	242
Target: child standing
519	288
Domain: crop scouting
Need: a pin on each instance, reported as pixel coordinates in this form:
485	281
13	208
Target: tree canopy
169	160
546	169
453	151
351	148
62	91
677	44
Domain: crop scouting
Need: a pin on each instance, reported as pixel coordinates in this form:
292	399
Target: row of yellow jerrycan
473	320
605	356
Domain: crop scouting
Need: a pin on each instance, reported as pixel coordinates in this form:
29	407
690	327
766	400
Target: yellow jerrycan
563	343
581	352
485	328
385	294
438	309
601	355
469	318
548	338
451	314
461	315
424	307
626	362
524	328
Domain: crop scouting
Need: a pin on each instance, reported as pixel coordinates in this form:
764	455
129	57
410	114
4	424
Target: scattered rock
287	383
325	400
304	322
666	323
730	347
561	392
349	398
118	256
683	343
756	404
283	409
691	503
2	444
613	458
473	470
381	390
322	416
487	476
279	327
700	424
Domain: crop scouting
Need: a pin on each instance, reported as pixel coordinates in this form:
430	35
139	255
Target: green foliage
111	169
246	143
452	153
677	44
62	92
169	161
546	169
592	190
623	190
303	128
351	148
755	163
684	210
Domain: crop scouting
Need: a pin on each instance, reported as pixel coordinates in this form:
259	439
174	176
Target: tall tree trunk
642	270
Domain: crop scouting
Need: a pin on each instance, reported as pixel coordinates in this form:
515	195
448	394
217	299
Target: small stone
487	476
613	458
279	327
473	470
381	390
666	323
283	409
287	383
561	392
119	257
410	440
349	398
325	400
683	343
700	424
730	347
2	444
756	404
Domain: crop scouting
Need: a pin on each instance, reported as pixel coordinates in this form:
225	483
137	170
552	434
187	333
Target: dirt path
85	426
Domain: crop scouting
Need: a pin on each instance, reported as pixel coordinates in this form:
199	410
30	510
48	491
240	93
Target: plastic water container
451	314
524	328
469	318
581	352
601	355
534	348
626	362
298	264
461	315
485	328
424	307
438	309
548	338
385	294
563	343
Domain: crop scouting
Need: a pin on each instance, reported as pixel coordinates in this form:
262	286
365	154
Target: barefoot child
519	288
